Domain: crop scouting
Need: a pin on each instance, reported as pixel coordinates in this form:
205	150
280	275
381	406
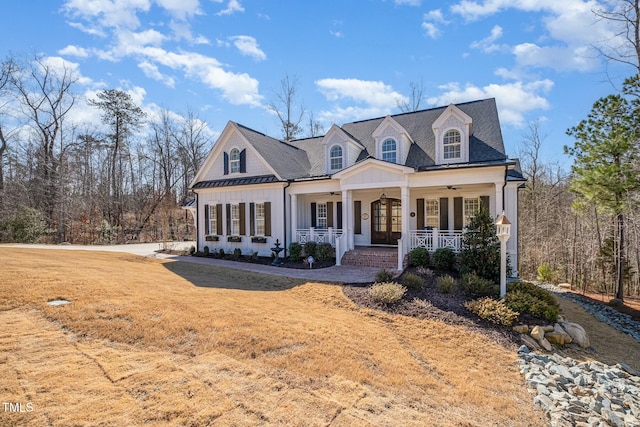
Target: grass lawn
150	342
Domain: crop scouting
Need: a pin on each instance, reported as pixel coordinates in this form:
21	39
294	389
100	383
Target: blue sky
353	59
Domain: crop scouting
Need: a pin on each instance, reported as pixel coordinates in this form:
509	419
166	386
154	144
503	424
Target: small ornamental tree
481	248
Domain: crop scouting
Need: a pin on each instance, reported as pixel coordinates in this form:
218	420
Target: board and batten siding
271	194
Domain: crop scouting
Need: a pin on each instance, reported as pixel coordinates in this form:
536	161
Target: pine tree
481	248
605	157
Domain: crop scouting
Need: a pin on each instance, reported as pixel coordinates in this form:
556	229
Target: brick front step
370	257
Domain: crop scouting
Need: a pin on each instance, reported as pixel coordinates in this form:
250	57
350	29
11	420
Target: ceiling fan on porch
451	187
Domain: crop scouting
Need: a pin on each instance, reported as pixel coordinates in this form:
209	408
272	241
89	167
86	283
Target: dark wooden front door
386	224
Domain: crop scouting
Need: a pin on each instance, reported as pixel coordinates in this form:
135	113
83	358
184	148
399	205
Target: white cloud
181	9
376	99
248	46
109	13
61	66
233	7
514	100
431	29
487	44
76	51
571	26
151	70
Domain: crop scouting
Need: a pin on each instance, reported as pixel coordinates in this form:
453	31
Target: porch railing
435	238
318	235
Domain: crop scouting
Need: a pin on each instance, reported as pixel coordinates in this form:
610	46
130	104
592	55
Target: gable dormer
392	141
452	132
340	149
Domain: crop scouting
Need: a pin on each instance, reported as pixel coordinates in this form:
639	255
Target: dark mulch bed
428	303
286	263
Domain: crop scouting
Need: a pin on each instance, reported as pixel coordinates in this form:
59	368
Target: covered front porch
379	204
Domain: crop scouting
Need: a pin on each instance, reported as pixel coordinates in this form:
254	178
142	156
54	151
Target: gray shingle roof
288	161
305	158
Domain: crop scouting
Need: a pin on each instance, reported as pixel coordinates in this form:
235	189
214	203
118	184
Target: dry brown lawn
147	342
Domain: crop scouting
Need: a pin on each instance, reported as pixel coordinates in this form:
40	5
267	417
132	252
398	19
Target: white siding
255	164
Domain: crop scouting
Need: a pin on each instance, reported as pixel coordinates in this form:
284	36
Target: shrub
444	259
192	250
26	225
445	284
412	281
387	292
473	284
480	252
546	273
205	250
324	252
419	257
310	249
237	253
384	275
528	298
427	273
254	256
221	253
295	251
492	311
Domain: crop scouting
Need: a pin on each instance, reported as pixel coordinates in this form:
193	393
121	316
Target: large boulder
577	333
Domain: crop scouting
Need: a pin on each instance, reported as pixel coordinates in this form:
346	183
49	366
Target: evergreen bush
480	252
412	281
419	257
295	251
446	284
444	259
492	311
384	275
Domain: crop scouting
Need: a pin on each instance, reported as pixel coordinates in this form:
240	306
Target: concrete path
335	274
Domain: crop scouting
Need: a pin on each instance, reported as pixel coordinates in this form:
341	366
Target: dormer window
451	145
335	157
389	150
234	160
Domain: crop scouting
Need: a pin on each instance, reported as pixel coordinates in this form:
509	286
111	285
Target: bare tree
416	97
624	46
315	128
46	99
7	68
284	105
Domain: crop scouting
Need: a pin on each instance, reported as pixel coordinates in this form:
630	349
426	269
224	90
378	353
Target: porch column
294	217
347	217
498	204
406	208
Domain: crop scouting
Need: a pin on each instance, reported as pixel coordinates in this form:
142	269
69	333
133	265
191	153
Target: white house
407	180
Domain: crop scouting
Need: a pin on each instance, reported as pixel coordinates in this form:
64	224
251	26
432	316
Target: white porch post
405	200
347	217
294	217
498	204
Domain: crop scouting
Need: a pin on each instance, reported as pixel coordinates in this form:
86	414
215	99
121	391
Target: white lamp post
503	231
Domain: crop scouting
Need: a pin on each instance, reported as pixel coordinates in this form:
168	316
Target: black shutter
339	215
444	213
226	163
458	221
357	217
252	219
243	220
484	203
243	161
219	219
329	214
420	214
228	219
313	214
206	220
267	219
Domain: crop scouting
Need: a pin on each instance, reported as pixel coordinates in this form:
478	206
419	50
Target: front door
386	224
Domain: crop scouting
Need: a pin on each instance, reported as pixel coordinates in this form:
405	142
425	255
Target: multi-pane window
389	150
336	157
260	230
235	220
471	208
213	219
451	144
234	160
396	216
321	215
432	213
